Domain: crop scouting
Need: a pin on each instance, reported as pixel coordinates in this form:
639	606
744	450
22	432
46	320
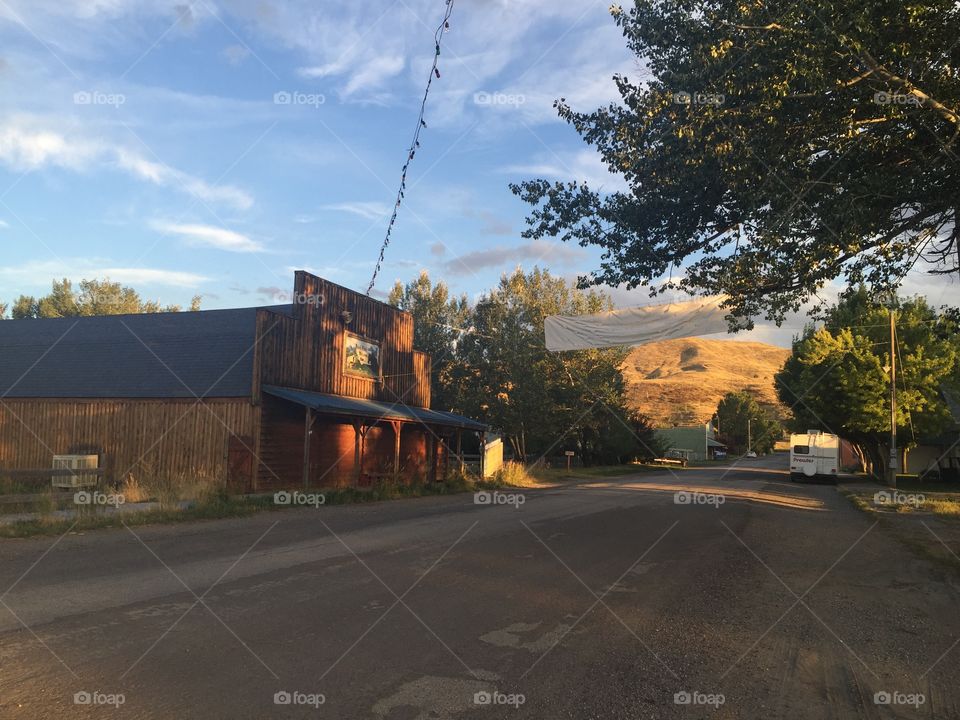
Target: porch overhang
349	407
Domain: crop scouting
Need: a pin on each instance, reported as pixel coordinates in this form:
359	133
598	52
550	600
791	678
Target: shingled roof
207	353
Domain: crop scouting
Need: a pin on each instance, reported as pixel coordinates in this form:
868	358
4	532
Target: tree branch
924	99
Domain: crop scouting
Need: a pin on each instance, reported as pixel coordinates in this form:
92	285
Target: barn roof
207	353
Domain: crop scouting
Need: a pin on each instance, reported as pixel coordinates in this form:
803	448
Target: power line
412	150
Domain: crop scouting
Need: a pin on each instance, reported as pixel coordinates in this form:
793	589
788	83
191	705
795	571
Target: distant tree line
490	362
94	297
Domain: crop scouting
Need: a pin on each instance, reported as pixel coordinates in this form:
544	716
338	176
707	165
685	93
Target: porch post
459	450
483	454
396	448
446	457
356	451
307	425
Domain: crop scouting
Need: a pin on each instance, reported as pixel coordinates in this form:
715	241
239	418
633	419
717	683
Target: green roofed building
693	442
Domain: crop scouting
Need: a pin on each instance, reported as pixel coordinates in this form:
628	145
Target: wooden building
326	391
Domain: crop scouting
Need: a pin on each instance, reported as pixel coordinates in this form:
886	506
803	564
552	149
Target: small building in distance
326	391
937	457
693	442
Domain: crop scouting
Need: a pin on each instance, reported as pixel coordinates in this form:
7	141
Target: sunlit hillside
681	381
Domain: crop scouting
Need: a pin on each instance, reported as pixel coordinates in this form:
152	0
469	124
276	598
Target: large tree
545	402
775	147
743	422
439	320
490	362
837	377
95	297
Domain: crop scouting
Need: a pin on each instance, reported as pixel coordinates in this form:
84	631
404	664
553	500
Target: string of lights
415	144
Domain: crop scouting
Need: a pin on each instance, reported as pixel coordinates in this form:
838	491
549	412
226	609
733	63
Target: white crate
78	463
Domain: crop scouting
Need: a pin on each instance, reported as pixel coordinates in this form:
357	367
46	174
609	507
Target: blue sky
149	141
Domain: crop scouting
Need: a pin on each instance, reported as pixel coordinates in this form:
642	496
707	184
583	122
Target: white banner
636	326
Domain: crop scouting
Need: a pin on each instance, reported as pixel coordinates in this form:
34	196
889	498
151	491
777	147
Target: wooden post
483	454
396	448
307	426
356	451
446	457
459	452
434	449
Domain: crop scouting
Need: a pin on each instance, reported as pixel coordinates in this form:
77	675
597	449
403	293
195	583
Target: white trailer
814	454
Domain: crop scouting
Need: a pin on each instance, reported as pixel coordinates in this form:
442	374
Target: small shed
693	442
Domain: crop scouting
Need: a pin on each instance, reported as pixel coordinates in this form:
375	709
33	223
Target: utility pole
749	435
893	463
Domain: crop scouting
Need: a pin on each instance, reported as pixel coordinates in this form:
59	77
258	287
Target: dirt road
748	597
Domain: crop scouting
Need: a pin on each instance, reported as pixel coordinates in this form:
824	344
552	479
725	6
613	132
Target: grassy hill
681	381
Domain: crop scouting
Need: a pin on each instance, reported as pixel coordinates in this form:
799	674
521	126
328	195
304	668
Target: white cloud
582	165
544	253
369	210
26	150
374	74
40	274
4	224
151	276
371	74
541	48
235	54
207	235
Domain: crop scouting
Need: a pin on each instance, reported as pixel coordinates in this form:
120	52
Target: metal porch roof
341	405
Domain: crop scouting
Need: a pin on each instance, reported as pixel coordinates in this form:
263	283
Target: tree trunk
865	465
878	459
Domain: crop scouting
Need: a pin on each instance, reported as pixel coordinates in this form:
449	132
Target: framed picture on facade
361	357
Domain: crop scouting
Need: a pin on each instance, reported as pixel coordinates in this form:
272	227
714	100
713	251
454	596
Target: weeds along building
324	391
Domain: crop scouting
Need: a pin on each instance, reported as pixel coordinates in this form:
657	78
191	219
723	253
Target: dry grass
515	474
682	381
942	504
949	507
167	490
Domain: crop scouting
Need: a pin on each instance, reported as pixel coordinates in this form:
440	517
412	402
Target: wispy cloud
210	236
539	252
490	224
40	274
25	150
235	54
372	73
581	166
369	210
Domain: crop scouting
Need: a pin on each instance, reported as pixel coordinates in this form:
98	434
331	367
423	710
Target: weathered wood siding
306	350
420	395
133	437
